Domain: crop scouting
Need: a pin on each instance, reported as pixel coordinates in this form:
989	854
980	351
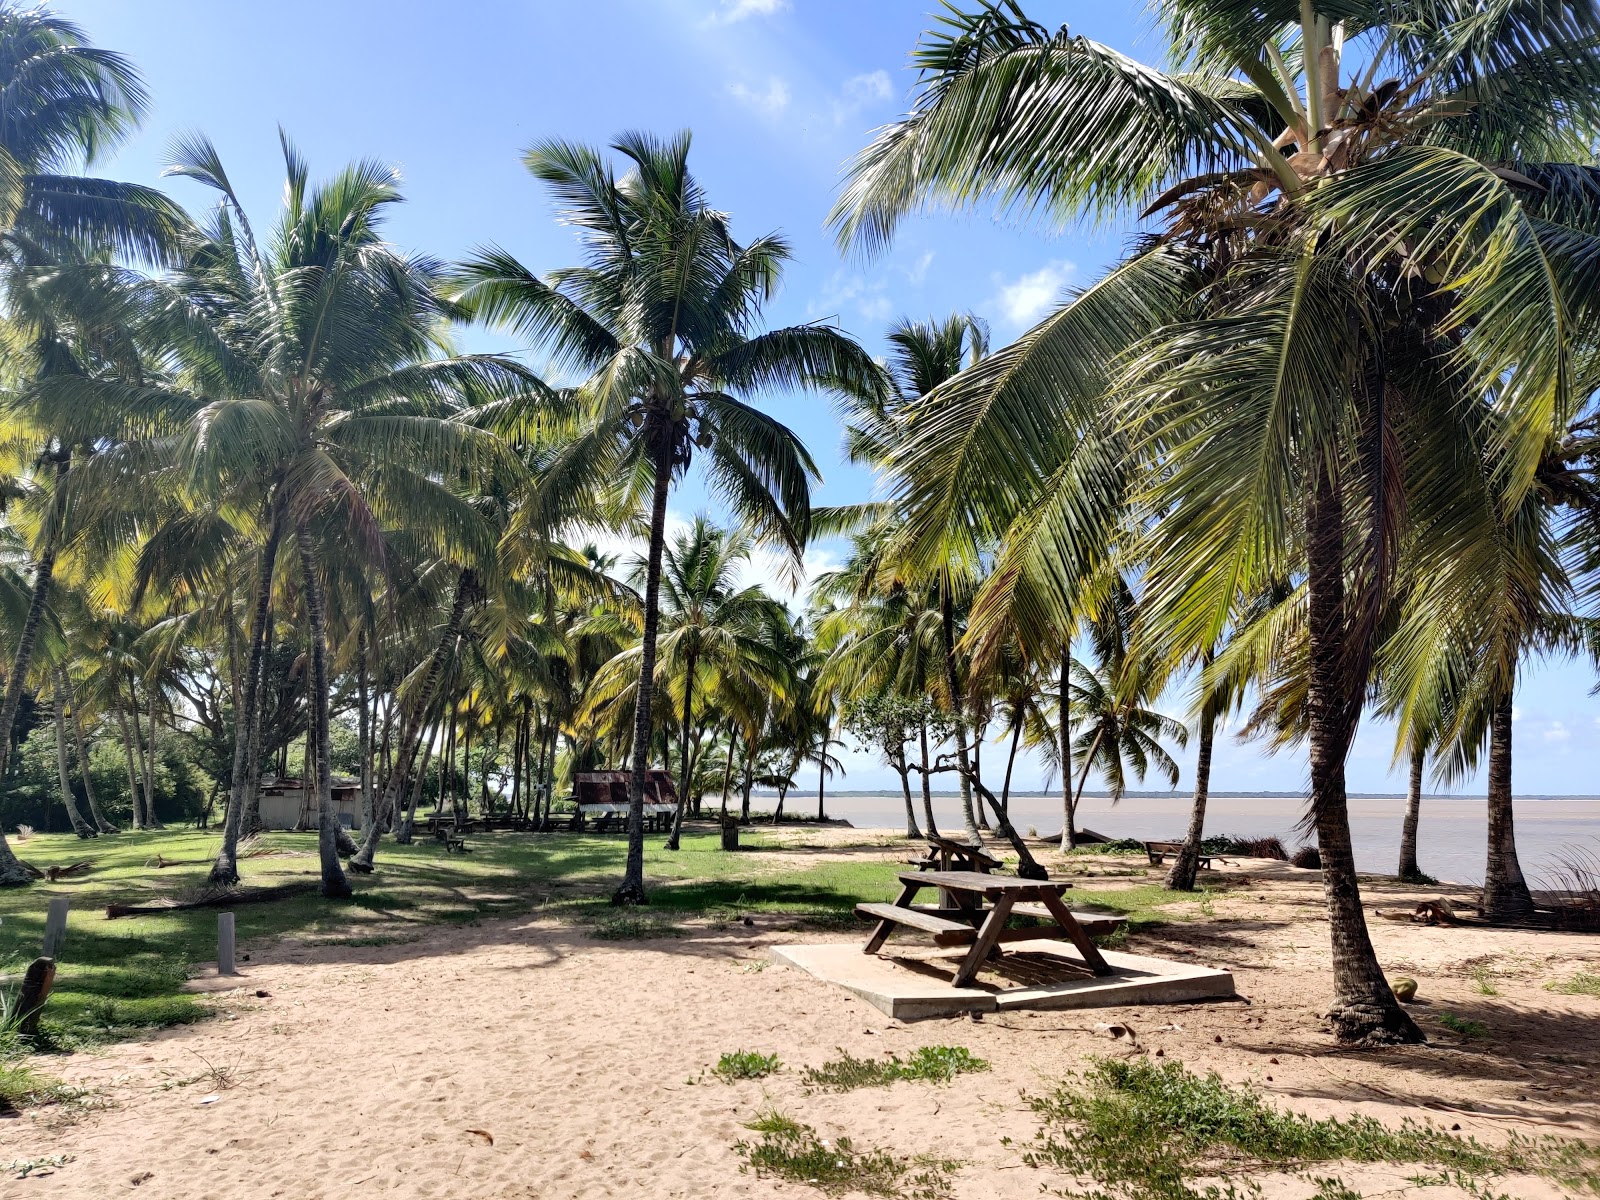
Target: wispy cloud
868	297
1023	301
770	101
918	271
733	11
859	92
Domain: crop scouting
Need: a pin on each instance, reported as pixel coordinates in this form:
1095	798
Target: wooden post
225	944
55	927
36	985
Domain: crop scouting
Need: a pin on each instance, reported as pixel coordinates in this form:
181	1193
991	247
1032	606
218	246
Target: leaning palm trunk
412	728
1505	891
12	873
1187	863
1364	1008
904	772
953	685
79	826
80	744
402	833
1069	832
1026	866
246	728
1408	830
334	883
632	889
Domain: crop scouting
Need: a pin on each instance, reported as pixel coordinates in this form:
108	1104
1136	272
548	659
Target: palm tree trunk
1364	1008
334	883
1187	864
684	771
251	822
777	813
1011	762
978	734
80	744
411	730
953	686
632	889
1505	891
927	786
1408	830
127	750
1069	806
12	873
822	779
402	833
150	818
1027	866
749	778
79	826
1088	762
727	774
904	772
364	731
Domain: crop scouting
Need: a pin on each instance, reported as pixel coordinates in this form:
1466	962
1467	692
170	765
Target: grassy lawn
118	976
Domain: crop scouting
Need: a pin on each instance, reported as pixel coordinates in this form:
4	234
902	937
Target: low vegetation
746	1064
933	1064
1583	983
1462	1026
1152	1131
793	1152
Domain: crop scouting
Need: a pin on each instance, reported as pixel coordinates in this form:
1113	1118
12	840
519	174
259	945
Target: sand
523	1058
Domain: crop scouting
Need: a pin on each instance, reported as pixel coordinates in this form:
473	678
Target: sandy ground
523	1058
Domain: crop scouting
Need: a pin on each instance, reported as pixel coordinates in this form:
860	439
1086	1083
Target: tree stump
730	834
36	985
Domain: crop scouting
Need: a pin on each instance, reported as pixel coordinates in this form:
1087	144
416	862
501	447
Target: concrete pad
916	983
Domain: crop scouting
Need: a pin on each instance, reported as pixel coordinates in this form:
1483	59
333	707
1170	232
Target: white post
225	944
55	927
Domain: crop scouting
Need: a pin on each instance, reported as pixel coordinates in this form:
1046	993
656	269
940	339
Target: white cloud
737	10
859	92
869	298
1023	301
770	102
918	271
1557	732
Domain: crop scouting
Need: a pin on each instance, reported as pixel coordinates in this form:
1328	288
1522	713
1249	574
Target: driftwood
221	899
1427	912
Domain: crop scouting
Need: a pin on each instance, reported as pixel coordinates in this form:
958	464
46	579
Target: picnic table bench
452	840
968	922
947	854
1159	850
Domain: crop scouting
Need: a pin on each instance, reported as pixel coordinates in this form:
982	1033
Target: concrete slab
915	983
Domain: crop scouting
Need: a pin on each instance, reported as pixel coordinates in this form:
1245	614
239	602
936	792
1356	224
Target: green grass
935	1064
116	978
1483	980
1584	983
792	1151
1148	1131
1462	1026
746	1064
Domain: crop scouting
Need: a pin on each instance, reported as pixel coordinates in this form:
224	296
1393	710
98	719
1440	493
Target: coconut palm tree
662	323
1331	196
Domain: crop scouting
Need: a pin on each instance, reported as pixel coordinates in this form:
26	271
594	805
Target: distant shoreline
843	793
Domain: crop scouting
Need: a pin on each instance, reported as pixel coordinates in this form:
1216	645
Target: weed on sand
934	1064
791	1151
1147	1131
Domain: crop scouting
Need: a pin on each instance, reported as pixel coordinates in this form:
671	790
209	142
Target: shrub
792	1151
1307	856
746	1064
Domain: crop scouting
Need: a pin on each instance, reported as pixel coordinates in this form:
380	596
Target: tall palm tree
662	323
318	406
1342	256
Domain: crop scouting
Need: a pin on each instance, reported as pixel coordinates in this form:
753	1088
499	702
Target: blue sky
779	93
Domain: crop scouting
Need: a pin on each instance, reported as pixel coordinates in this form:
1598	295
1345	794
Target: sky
779	94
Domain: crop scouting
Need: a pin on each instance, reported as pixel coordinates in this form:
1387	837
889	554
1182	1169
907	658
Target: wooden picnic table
947	854
969	922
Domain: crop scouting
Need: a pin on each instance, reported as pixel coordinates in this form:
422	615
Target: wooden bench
1159	850
947	854
453	842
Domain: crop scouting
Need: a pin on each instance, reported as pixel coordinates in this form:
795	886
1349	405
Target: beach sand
522	1058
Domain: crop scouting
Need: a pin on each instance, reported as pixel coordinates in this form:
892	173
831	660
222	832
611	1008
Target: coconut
1405	988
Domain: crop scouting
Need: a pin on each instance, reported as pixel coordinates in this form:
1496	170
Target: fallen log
221	899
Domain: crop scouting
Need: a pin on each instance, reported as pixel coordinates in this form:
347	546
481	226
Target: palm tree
1350	204
662	323
318	406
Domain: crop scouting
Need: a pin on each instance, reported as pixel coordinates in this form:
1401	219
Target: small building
599	792
286	804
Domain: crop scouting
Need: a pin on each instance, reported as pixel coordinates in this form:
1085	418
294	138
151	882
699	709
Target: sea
1451	835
